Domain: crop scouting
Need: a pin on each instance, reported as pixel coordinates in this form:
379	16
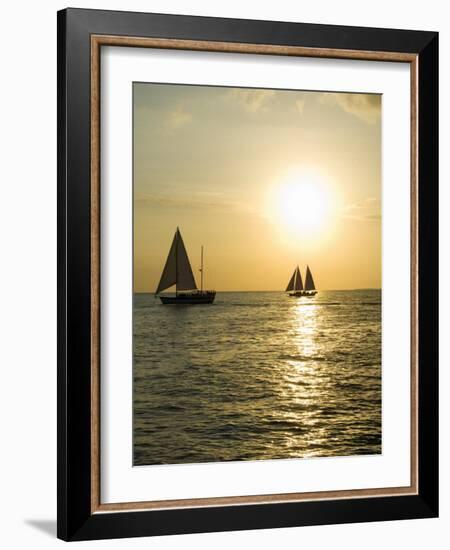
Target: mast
201	271
176	261
298	280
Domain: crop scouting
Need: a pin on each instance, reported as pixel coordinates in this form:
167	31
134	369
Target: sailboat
177	271
295	285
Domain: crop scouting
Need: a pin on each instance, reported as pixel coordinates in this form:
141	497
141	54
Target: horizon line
276	290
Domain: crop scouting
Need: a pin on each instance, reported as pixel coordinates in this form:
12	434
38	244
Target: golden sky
264	179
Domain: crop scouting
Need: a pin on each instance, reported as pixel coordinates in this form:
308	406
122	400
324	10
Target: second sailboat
295	285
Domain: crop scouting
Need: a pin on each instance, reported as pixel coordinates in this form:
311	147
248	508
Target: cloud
368	210
366	107
178	118
193	201
300	105
253	101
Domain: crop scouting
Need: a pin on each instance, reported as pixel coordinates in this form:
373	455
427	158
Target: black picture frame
75	518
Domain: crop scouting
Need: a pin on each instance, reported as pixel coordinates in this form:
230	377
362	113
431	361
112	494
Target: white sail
298	280
309	282
291	283
177	270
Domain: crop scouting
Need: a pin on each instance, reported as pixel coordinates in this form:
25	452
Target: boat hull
303	293
189	299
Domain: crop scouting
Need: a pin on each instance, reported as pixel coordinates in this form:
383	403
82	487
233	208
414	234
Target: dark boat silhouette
177	271
295	285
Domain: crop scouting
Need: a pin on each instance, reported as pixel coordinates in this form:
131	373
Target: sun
302	203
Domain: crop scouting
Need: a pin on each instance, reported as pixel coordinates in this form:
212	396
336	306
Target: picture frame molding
81	34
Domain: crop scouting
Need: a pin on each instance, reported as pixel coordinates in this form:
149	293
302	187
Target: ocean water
257	375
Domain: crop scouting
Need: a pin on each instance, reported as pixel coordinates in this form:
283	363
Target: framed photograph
247	255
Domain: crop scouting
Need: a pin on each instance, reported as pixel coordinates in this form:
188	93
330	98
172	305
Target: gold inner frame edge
97	41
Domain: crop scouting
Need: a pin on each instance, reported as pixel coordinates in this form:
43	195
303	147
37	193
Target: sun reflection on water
304	380
304	328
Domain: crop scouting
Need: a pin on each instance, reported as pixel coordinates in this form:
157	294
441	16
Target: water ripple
257	376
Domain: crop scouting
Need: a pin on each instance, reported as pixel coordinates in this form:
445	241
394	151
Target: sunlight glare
302	203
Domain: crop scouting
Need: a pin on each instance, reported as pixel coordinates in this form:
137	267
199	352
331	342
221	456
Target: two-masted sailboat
295	286
177	271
